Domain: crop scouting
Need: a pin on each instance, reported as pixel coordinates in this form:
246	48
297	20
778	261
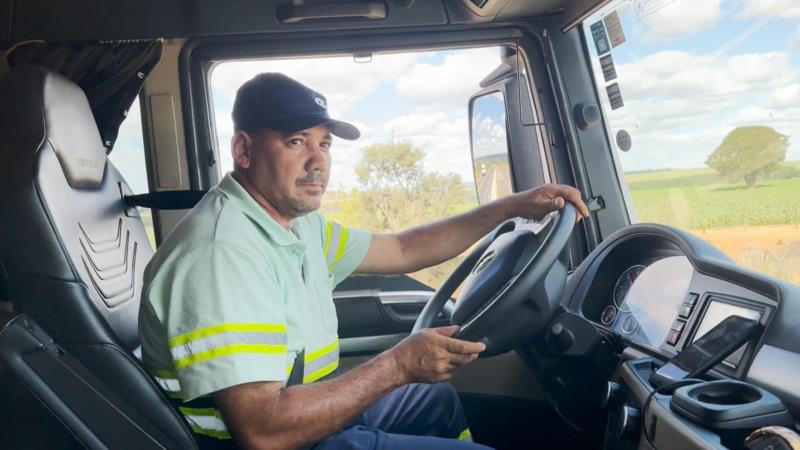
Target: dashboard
658	289
654	298
650	291
655	306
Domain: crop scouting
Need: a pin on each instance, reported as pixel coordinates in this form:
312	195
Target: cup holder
725	393
729	404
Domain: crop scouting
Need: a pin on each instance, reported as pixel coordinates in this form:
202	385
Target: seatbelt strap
298	369
296	376
166	199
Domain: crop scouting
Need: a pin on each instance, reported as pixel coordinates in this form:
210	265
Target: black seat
71	260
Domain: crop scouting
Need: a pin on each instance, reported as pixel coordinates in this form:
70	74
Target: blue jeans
416	416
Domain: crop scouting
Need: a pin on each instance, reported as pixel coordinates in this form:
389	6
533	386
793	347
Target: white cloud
489	139
786	96
785	9
680	19
450	83
795	40
685	75
679	105
339	79
442	135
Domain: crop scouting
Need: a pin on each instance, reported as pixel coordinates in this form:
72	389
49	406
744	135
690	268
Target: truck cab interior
673	118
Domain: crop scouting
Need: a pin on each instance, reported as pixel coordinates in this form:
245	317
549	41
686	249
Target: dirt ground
771	249
734	241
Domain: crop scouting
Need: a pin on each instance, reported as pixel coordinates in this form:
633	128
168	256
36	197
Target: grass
671	178
699	199
719	205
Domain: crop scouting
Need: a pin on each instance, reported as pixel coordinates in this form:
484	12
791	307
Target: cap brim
338	128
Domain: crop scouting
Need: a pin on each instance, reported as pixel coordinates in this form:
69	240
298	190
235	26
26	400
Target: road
495	184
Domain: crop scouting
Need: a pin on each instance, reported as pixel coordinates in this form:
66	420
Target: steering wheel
513	281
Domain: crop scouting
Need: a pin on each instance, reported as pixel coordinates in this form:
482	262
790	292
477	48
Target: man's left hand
538	202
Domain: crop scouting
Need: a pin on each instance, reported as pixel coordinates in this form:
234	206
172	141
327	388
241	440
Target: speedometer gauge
624	284
608	315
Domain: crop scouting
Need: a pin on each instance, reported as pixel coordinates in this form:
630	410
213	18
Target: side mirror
489	145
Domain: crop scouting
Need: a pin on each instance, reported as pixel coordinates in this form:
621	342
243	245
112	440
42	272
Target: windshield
701	100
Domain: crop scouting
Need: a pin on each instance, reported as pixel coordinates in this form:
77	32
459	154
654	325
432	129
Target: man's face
291	170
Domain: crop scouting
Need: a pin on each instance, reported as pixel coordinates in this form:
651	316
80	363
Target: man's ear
241	148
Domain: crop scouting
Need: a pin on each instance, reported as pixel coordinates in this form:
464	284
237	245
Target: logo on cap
321	102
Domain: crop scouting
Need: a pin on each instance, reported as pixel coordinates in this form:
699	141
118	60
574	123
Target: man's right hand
433	354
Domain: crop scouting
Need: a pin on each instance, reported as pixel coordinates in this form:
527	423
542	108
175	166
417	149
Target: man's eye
325	145
295	141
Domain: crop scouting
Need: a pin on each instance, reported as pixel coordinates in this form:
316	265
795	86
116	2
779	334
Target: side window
412	164
128	156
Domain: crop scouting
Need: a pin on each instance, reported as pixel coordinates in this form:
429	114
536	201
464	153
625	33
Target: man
237	321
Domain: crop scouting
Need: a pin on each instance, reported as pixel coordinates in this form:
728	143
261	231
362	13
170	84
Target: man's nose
316	157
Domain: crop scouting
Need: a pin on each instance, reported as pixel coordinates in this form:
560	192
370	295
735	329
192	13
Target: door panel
373	312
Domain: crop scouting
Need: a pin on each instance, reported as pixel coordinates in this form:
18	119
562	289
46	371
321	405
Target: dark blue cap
277	102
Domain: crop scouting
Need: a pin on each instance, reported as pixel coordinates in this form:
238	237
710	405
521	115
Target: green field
757	227
700	199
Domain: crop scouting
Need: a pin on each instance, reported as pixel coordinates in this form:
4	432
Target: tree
748	153
395	194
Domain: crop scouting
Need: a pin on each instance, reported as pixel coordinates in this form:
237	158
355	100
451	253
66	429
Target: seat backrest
72	255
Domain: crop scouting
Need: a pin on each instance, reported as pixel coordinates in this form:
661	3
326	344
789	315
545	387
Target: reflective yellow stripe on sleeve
465	435
169	383
227	339
206	421
328	232
321	362
335	243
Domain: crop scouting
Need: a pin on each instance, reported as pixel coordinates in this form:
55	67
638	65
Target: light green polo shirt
232	297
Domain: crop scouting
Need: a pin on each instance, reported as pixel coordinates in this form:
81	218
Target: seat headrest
67	123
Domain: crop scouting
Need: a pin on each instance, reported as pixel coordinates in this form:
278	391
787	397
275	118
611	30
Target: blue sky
693	70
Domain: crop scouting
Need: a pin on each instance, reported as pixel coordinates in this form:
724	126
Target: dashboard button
691	299
678	325
685	312
673	337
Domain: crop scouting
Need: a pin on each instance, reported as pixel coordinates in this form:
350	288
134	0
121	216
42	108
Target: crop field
758	227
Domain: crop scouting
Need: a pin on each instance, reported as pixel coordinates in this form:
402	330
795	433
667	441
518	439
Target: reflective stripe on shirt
169	383
335	243
227	339
207	421
319	363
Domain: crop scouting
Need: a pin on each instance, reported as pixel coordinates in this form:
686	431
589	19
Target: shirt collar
245	202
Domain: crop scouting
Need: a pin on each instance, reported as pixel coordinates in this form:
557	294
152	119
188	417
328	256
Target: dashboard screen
718	311
647	310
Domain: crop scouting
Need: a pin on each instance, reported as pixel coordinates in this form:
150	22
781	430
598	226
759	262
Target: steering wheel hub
512	282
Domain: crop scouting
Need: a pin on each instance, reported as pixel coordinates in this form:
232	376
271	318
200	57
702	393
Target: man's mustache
312	177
